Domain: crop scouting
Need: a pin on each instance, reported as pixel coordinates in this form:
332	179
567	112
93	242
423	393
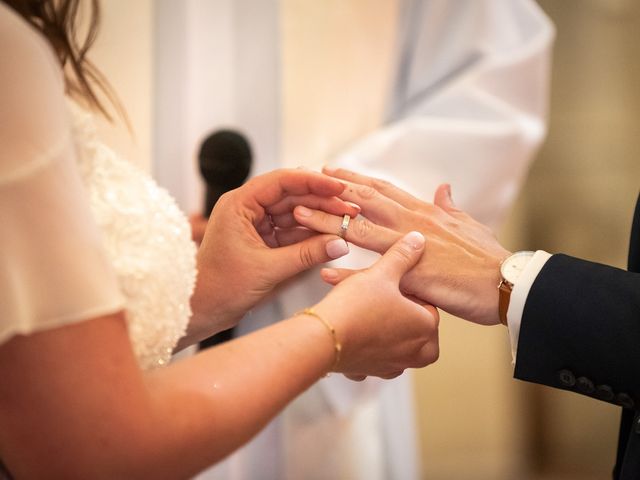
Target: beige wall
123	52
582	192
349	34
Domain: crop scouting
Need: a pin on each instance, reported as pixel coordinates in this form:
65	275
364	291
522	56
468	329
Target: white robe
461	98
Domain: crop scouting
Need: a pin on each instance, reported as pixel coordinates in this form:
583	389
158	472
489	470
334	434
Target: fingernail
328	169
329	274
415	240
337	248
354	205
303	211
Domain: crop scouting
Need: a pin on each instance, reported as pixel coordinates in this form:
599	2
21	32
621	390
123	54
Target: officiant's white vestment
416	91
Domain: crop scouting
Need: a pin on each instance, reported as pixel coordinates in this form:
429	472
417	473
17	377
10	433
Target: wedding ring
345	225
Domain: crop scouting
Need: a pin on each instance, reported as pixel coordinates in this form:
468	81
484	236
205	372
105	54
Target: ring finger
359	230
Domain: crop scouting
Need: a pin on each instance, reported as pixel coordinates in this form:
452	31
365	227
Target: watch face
513	266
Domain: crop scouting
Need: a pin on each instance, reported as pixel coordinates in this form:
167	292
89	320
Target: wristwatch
510	270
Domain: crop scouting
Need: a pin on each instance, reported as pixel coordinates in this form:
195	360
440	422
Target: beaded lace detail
147	238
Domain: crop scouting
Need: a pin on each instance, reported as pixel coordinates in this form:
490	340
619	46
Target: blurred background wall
476	422
124	53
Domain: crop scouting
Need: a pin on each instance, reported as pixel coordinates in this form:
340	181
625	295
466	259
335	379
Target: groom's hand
459	271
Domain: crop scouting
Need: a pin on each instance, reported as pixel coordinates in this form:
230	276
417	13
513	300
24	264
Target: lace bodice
147	239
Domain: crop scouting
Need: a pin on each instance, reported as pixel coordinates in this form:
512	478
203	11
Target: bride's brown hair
57	20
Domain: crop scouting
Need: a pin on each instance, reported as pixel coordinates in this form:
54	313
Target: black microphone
225	162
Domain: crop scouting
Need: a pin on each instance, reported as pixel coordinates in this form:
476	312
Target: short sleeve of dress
53	268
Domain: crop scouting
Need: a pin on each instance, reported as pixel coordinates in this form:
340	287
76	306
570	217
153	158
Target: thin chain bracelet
337	345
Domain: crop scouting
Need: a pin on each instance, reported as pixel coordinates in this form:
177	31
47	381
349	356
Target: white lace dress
82	233
147	239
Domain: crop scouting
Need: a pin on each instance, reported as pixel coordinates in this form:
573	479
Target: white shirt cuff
519	297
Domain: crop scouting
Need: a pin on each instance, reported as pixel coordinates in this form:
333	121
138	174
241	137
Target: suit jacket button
625	400
605	392
584	385
637	425
567	378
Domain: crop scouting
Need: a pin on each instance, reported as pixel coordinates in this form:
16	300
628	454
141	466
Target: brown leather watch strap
504	296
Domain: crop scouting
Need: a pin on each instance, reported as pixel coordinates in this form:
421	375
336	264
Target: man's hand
459	271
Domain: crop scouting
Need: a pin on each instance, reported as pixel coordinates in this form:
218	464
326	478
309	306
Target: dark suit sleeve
580	331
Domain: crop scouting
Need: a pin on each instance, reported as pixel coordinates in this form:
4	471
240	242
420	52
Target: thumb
401	257
293	259
442	198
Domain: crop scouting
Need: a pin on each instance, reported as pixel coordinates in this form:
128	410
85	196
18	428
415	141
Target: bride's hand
460	269
382	332
252	243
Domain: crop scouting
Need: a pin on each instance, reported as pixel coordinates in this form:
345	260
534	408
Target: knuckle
366	191
381	185
429	354
225	203
402	253
306	257
362	227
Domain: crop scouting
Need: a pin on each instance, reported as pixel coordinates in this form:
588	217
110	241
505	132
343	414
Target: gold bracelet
336	343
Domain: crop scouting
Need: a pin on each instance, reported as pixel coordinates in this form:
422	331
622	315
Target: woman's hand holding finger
361	231
244	255
382	332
